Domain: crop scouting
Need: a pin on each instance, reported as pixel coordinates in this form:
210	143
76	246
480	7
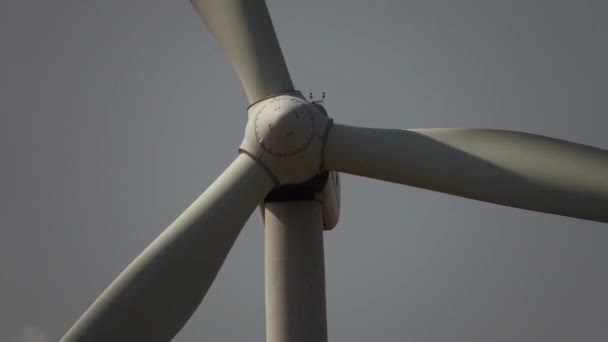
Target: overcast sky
115	115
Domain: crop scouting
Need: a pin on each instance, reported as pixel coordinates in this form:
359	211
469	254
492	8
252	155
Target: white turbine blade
158	292
244	30
510	168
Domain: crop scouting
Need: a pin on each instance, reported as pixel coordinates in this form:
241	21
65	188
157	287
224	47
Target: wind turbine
288	165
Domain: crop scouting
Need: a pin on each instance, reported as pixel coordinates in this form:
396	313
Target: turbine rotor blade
503	167
244	30
158	292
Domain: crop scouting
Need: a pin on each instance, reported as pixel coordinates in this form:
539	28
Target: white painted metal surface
295	274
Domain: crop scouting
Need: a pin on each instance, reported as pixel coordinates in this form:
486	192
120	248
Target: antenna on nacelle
312	100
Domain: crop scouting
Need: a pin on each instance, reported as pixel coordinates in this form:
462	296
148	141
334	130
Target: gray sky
117	114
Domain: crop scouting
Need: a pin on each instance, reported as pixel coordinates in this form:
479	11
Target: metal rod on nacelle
294	272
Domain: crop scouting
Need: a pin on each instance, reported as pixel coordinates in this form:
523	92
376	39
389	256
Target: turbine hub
284	125
287	135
